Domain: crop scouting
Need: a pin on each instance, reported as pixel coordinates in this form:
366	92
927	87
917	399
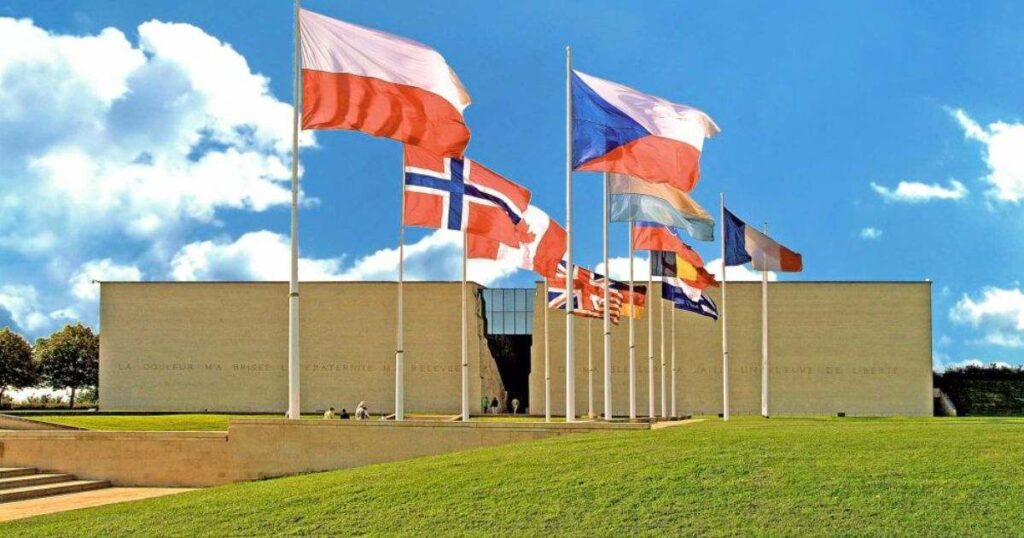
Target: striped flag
360	79
743	243
637	200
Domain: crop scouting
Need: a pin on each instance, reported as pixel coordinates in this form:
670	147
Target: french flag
744	243
359	79
618	129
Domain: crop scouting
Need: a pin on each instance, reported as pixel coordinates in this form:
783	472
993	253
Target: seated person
344	413
329	414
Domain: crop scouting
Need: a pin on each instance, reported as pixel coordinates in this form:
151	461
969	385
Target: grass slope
750	476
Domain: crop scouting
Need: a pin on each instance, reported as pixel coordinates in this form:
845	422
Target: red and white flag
542	244
460	194
360	79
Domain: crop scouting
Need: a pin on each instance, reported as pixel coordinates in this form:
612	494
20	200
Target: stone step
8	472
45	490
33	480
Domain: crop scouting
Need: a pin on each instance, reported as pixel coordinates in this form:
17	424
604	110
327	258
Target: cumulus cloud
942	363
870	233
82	286
21	301
619	268
998	312
264	255
1003	155
915	192
737	273
99	136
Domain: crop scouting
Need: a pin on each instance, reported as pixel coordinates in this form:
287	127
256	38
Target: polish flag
542	245
618	129
359	79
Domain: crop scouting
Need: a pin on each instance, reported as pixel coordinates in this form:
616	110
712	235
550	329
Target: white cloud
620	268
870	234
99	136
22	302
261	255
82	286
264	255
1003	155
916	192
737	273
941	364
998	312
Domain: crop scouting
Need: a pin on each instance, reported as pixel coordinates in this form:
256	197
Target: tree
69	358
16	368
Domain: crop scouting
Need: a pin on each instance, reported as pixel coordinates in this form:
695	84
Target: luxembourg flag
542	245
745	244
618	129
359	79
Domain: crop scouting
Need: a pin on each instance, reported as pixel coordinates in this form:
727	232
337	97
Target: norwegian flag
461	194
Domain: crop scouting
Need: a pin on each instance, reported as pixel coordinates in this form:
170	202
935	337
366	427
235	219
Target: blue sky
882	140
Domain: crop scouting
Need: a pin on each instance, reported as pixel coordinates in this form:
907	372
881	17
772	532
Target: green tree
69	358
17	370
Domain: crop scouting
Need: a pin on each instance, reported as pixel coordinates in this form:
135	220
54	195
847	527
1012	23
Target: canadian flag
542	244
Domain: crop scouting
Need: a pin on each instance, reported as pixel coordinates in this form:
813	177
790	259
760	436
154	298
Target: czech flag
618	129
359	79
541	247
745	244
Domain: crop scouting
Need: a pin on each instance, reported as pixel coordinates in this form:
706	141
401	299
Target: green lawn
750	476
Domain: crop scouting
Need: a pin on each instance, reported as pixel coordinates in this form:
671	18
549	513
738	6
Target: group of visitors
362	413
492	405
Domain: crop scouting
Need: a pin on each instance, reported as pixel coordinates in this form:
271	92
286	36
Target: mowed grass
746	477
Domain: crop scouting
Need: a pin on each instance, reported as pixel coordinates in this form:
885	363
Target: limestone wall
857	348
253	449
224	346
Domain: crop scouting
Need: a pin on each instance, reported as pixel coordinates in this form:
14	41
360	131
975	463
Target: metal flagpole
650	335
570	367
764	336
294	381
590	369
547	359
673	309
632	336
661	321
400	333
607	314
465	343
725	329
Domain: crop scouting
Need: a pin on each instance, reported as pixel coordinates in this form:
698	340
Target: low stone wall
257	448
11	422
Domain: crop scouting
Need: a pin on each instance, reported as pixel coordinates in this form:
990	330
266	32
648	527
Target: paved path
673	423
73	501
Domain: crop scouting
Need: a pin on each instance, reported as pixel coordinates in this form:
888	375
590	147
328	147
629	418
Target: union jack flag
461	194
556	287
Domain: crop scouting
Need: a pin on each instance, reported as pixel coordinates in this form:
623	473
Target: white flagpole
570	366
465	344
400	333
294	381
607	315
764	336
650	335
661	321
547	359
632	336
725	329
590	369
673	309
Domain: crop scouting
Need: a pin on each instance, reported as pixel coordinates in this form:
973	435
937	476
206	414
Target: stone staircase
20	483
